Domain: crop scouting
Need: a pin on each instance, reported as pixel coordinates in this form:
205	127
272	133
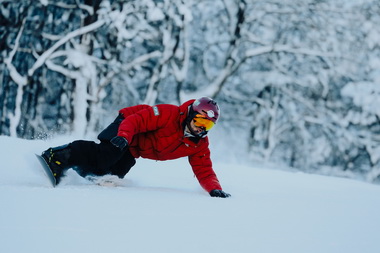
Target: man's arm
202	167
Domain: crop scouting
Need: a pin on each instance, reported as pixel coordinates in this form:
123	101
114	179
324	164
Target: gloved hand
219	194
119	142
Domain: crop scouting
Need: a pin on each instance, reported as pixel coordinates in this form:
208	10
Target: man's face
201	124
195	128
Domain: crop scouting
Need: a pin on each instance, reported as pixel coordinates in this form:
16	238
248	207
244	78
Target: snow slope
159	207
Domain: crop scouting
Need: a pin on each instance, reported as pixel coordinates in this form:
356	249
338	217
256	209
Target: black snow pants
98	159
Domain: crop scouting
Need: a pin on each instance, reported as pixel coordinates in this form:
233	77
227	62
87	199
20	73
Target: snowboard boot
58	160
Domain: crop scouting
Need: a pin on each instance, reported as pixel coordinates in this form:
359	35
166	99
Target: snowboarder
160	132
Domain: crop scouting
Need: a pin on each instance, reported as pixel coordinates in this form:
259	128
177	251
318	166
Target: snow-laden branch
167	54
83	30
180	73
213	88
20	80
60	69
232	65
87	8
305	51
285	48
15	75
258	51
136	62
143	58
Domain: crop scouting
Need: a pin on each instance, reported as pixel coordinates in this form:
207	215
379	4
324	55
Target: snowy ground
160	207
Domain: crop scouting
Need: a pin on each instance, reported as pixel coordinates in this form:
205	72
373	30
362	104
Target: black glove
219	194
119	142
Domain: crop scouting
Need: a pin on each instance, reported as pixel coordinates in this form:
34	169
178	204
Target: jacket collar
184	109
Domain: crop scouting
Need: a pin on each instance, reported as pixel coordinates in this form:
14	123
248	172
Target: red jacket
157	132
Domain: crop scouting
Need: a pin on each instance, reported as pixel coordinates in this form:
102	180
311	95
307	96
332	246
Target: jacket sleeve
141	119
202	167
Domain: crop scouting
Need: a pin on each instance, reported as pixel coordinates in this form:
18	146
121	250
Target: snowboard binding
57	161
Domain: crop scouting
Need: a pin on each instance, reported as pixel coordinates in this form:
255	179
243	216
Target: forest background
298	81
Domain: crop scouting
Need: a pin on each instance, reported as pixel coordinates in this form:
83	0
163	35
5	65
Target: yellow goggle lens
202	121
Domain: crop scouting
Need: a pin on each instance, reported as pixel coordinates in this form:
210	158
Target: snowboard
47	170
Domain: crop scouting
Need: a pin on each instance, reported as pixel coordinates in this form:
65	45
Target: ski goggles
203	122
